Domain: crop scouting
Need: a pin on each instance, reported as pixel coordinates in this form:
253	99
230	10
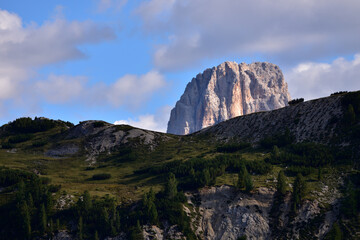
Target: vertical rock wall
226	91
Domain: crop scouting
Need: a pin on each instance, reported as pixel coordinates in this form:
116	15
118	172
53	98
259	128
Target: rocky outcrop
226	91
96	137
226	213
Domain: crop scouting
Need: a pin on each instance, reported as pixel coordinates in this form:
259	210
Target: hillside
65	180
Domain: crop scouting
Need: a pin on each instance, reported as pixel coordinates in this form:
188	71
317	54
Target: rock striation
226	91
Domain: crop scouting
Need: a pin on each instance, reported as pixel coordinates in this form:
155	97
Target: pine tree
117	222
49	203
104	220
275	154
136	233
30	203
206	177
242	176
87	201
57	225
25	219
335	232
80	228
113	227
84	204
51	230
43	219
171	187
281	183
248	183
319	174
350	116
153	214
299	189
20	194
96	235
150	207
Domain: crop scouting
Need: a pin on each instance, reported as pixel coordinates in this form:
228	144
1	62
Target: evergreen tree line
97	218
27	213
302	154
29	125
351	104
199	172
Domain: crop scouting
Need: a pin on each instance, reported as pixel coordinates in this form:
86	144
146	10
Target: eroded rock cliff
226	91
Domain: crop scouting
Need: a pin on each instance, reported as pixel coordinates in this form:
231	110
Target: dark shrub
98	124
296	101
101	176
230	148
39	143
20	138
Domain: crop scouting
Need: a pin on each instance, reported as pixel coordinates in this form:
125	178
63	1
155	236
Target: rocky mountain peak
226	91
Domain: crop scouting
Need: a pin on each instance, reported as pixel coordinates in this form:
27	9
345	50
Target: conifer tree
350	116
96	235
281	183
206	177
51	225
242	176
275	154
30	203
25	219
171	186
299	189
57	224
335	232
43	219
117	222
80	229
248	183
319	174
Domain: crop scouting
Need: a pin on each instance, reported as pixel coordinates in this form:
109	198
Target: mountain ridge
227	91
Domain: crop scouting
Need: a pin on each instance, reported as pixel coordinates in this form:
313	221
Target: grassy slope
125	185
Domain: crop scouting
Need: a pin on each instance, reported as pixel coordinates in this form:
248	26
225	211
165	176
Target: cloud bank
23	49
313	80
286	31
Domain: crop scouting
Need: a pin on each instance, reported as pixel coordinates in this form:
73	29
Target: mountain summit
226	91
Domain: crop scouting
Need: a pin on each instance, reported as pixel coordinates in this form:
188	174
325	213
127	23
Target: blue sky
129	61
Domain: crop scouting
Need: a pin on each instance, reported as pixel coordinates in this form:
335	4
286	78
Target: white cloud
116	5
312	80
61	89
132	90
23	49
52	42
286	31
157	122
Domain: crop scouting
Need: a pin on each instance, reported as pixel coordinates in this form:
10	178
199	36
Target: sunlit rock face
226	91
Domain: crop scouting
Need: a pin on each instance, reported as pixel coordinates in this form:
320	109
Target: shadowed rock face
226	91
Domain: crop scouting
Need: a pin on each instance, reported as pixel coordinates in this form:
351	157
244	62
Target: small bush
296	101
54	188
101	176
7	145
98	124
338	93
39	143
20	138
230	148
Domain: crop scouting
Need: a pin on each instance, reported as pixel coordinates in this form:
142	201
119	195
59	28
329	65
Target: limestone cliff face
226	91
